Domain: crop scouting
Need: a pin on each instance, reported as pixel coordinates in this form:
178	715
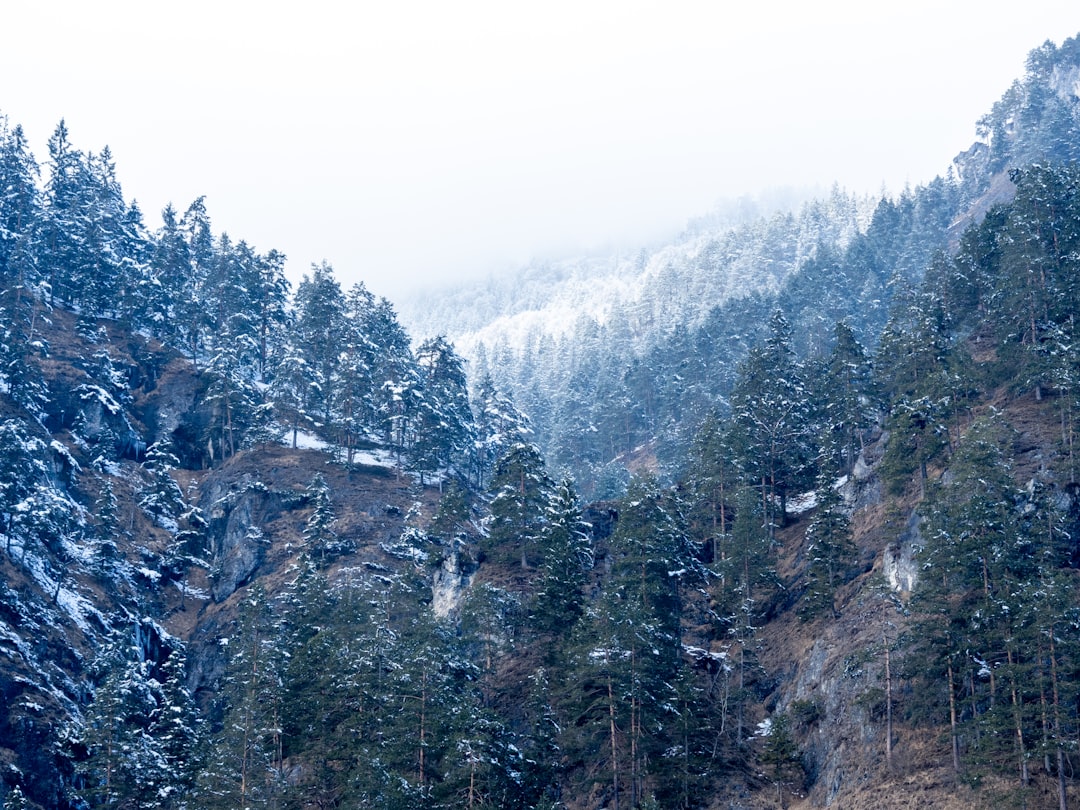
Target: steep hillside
257	550
110	547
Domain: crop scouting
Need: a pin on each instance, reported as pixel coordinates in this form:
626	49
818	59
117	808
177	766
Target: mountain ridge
197	611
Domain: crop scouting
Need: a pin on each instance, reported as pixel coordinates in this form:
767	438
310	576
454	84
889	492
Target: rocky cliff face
154	576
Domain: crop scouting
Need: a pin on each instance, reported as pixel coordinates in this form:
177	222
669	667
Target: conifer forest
796	524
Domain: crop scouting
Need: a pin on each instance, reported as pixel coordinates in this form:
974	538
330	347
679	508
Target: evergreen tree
849	395
394	375
771	427
746	587
353	391
566	558
269	305
925	374
16	800
830	550
107	510
243	763
1039	247
711	479
289	391
139	734
20	213
976	608
162	301
444	430
177	730
453	516
780	752
521	489
233	398
163	500
22	470
191	298
320	539
498	427
629	649
62	192
318	334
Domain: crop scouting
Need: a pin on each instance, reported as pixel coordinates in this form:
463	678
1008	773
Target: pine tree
710	481
170	283
177	731
232	397
925	375
444	425
521	488
319	331
190	297
320	539
353	391
16	800
830	550
628	649
243	761
745	589
453	516
139	734
566	558
975	606
498	425
289	391
1037	288
771	427
849	392
61	235
107	510
394	375
163	500
780	752
20	214
22	468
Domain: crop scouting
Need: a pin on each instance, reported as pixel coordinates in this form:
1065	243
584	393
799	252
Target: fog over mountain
418	145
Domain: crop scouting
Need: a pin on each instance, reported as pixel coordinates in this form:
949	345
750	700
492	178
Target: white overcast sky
410	143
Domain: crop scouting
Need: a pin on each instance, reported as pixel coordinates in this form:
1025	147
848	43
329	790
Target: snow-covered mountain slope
730	253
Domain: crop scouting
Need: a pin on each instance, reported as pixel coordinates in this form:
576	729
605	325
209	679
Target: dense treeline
617	661
648	377
627	667
649	370
319	359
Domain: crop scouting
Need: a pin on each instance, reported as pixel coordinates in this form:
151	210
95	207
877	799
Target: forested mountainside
260	549
632	351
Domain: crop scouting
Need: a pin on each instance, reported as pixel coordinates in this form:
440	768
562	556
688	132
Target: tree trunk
955	739
1018	723
888	704
614	750
1055	697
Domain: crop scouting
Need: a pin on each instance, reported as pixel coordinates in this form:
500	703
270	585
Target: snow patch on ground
304	441
78	608
194	593
802	503
375	457
698	654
